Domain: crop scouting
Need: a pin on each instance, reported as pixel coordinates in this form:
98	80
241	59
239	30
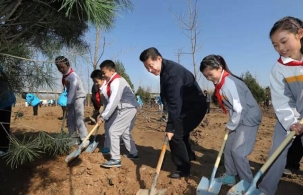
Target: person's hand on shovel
169	135
99	120
297	127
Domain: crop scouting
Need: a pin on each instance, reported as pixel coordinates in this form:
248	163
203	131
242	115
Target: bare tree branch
188	23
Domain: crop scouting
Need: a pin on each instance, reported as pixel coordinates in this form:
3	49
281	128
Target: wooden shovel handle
90	133
279	150
222	148
63	121
160	161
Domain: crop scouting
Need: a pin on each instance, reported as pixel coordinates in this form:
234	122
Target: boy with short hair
100	101
119	114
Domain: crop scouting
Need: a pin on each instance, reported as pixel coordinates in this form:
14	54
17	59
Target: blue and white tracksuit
120	114
244	121
286	86
75	103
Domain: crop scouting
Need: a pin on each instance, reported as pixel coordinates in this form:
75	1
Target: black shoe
178	174
192	157
132	156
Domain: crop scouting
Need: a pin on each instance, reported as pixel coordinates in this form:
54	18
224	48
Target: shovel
245	188
153	190
92	146
212	187
63	121
78	151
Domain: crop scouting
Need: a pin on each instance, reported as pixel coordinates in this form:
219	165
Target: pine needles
58	144
32	146
22	151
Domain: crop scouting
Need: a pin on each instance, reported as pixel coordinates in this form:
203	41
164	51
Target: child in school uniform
75	99
244	121
100	83
119	114
32	100
7	99
286	87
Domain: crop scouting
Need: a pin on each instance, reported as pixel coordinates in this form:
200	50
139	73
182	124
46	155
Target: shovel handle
279	150
270	160
63	121
90	133
220	154
160	161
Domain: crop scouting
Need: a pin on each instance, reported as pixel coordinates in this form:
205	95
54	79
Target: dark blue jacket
180	91
7	96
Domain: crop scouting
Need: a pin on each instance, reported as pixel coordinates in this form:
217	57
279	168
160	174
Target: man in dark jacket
186	106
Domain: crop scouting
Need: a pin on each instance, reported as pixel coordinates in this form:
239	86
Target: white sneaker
287	172
262	193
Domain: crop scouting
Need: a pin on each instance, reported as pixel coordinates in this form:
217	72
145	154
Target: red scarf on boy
218	86
98	98
291	63
110	81
64	76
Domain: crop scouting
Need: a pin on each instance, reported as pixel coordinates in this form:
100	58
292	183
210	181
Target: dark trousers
295	154
63	110
5	117
35	109
180	143
208	107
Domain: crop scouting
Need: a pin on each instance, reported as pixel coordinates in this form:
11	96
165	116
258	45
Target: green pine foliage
23	151
144	94
33	145
122	72
256	89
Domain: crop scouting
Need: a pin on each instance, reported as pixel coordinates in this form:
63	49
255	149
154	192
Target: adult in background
7	99
186	106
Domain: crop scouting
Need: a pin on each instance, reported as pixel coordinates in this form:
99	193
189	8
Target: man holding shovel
186	106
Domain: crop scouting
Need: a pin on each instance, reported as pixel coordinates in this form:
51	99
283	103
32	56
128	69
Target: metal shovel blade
151	192
74	154
240	188
204	188
91	148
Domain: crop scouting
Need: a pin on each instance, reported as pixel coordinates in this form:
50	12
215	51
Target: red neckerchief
110	81
98	98
218	86
64	76
291	63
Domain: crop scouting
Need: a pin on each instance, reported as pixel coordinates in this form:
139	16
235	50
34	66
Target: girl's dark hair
108	64
215	62
62	59
96	74
151	52
290	24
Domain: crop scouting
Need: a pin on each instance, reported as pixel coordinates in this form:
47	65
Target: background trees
41	28
257	91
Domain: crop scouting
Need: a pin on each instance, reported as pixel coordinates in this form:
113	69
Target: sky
235	29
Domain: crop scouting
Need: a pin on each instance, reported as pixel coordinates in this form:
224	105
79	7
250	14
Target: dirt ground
51	175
